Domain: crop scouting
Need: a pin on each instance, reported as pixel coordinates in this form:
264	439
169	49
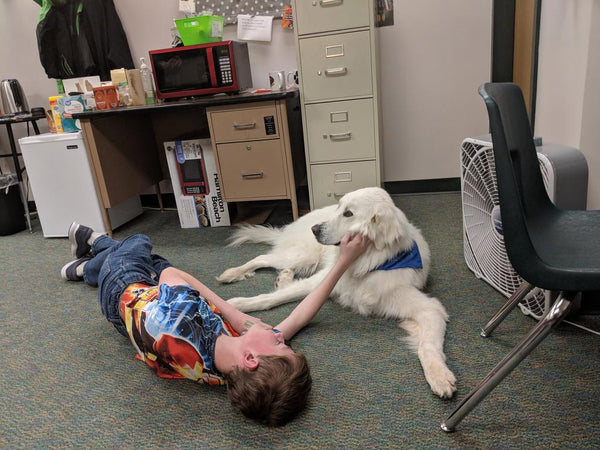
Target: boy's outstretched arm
351	247
173	277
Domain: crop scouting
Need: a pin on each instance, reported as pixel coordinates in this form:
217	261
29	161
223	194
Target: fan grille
484	249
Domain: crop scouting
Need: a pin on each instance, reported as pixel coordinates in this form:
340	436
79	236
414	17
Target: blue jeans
115	265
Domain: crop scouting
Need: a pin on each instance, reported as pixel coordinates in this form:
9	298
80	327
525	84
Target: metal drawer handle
336	72
244	126
336	194
340	136
330	2
252	175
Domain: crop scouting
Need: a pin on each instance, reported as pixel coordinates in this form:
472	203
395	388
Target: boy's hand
352	246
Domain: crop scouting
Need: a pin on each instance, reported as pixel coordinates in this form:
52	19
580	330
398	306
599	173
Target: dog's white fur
387	293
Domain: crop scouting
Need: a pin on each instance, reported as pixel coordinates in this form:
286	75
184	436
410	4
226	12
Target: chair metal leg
513	301
555	315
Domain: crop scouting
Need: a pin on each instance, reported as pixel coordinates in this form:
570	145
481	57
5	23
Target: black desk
8	121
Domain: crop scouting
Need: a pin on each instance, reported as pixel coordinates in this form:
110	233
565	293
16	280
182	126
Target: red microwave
203	69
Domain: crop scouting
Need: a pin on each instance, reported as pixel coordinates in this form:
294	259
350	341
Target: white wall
19	59
431	63
567	108
147	24
590	129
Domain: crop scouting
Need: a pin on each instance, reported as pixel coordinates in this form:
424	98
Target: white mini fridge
62	185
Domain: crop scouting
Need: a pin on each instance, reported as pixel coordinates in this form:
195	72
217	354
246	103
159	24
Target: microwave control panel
225	69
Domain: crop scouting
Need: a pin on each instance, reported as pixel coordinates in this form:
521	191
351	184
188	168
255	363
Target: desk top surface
213	100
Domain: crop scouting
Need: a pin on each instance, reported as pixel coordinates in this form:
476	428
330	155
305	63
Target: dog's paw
234	274
241	303
285	277
248	304
442	381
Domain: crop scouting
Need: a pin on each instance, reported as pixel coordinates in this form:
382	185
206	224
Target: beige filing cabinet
339	96
252	150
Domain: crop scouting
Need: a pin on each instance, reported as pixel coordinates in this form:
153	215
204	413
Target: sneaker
69	271
78	237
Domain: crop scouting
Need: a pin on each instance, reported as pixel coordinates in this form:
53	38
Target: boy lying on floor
182	329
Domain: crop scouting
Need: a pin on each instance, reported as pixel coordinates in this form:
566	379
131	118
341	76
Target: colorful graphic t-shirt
174	330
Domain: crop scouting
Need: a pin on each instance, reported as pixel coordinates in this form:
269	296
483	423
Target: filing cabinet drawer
252	170
331	181
330	15
257	121
335	66
341	130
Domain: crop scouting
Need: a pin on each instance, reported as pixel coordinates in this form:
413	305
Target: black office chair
550	248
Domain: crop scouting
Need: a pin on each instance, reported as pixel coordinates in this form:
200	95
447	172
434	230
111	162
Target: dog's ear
385	226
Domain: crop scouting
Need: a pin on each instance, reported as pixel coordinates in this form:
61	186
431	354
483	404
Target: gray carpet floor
69	380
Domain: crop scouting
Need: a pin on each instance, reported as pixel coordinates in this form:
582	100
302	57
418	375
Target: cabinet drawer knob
248	147
336	72
244	126
252	175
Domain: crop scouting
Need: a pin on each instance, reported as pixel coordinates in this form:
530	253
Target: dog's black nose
316	229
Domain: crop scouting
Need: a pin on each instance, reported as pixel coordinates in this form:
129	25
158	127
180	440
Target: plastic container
200	30
147	82
12	213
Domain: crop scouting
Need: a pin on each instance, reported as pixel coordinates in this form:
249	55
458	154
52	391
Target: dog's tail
254	233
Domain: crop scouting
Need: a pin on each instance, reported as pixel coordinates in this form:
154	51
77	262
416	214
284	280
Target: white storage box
197	209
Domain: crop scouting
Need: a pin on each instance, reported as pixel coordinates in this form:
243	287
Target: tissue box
67	106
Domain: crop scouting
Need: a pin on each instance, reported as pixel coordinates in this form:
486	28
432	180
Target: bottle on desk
147	82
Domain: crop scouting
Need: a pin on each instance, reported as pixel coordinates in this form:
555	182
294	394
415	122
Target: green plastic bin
200	30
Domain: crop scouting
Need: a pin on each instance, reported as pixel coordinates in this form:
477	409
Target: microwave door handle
211	67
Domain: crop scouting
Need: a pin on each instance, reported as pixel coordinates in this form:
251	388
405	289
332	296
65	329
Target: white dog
365	287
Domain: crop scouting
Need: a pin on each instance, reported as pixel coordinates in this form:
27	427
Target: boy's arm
351	247
173	277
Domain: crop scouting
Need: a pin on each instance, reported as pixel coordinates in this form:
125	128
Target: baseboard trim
393	187
422	186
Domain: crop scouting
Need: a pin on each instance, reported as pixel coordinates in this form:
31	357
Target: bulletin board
229	9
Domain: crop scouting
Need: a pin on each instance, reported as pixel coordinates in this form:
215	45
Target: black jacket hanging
81	38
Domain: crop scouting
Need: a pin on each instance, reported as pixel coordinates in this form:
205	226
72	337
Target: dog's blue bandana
410	259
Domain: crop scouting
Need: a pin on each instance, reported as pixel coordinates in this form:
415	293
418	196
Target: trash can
12	213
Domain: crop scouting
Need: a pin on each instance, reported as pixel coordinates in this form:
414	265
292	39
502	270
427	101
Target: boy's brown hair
275	392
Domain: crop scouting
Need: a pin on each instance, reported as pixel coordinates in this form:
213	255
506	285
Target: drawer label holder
270	128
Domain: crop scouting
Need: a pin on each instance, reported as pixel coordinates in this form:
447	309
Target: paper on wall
187	6
254	28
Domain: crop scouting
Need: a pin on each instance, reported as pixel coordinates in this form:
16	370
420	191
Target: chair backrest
521	192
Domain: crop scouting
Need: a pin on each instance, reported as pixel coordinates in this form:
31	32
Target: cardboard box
198	210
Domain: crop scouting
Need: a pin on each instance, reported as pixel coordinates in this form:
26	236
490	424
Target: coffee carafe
13	98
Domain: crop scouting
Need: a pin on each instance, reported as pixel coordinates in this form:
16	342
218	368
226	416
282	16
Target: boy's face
264	340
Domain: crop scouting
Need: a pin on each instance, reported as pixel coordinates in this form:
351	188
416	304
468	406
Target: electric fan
564	171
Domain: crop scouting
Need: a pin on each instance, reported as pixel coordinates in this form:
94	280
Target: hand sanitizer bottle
147	82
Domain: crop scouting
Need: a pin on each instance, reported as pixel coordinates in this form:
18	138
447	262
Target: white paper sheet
254	28
187	6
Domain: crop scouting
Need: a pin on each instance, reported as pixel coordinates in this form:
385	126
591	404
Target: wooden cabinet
339	96
252	150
